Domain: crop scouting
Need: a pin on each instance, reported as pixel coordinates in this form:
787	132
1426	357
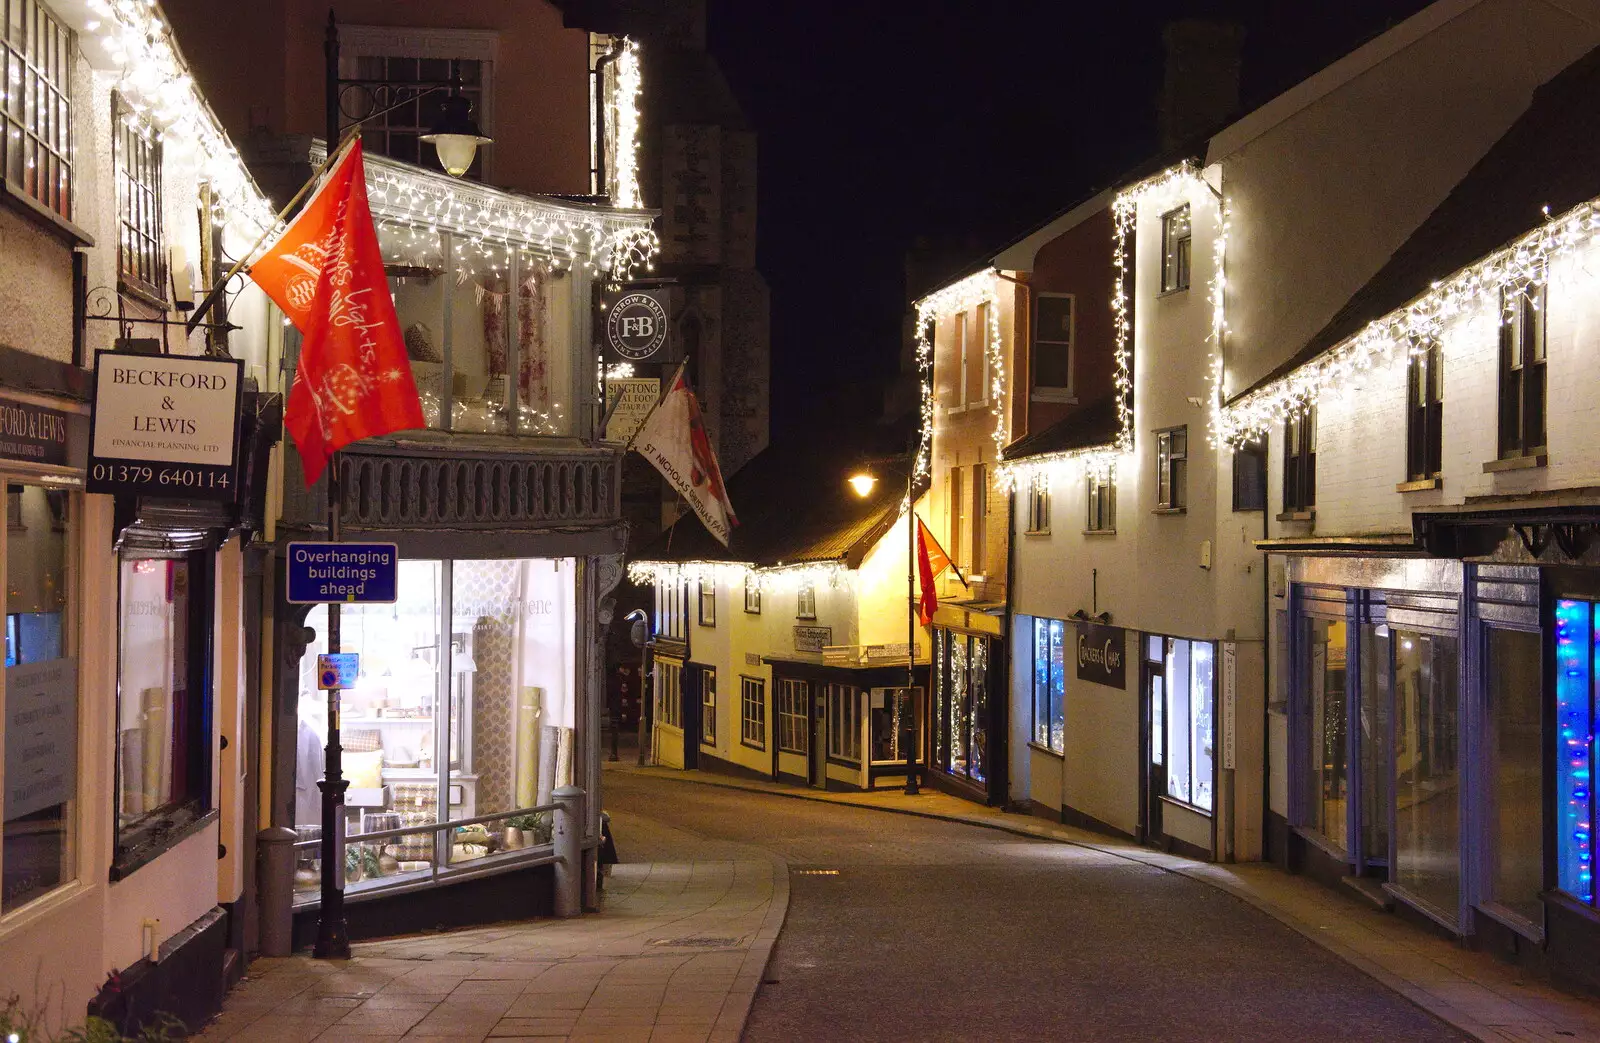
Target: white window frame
793	733
669	693
844	722
1055	392
1038	503
706	597
752	595
1101	499
753	725
1175	479
806	600
1176	277
708	706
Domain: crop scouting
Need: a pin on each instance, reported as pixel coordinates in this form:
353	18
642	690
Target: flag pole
666	389
216	292
911	622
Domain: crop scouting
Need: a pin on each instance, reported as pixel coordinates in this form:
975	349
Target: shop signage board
1103	654
33	434
637	329
347	573
635	398
336	670
165	426
41	735
812	639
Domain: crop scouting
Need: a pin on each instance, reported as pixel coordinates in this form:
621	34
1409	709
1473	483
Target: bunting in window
325	271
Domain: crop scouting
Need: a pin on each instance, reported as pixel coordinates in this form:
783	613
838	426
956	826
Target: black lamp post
456	137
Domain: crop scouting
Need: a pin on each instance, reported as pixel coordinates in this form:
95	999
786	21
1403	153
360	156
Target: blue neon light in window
1575	643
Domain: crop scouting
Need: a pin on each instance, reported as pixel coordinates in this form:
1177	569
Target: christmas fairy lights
154	81
1498	280
768	578
962	295
625	118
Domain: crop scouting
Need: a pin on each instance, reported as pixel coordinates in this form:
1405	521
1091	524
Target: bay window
36	56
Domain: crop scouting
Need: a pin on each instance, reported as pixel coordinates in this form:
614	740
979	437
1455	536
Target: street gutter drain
697	943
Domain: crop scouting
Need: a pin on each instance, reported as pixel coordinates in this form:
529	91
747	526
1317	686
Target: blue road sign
349	573
338	670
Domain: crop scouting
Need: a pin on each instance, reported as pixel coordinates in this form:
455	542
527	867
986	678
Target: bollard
569	851
276	889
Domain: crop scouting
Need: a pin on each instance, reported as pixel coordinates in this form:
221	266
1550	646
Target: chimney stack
1200	90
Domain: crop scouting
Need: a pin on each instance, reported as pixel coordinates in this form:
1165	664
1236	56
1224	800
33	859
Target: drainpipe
600	115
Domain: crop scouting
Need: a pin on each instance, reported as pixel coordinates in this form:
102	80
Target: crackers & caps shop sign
1103	654
166	426
636	327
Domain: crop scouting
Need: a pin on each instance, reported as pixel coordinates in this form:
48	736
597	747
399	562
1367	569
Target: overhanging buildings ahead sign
348	573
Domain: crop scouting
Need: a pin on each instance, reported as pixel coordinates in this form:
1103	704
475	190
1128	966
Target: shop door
690	702
819	737
1153	756
1373	704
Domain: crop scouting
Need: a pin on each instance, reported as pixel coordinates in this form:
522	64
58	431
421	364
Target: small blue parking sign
338	670
348	573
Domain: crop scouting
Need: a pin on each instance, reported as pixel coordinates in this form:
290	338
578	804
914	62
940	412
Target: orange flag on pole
326	273
931	560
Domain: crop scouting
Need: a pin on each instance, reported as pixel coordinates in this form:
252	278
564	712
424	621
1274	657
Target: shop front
839	727
965	737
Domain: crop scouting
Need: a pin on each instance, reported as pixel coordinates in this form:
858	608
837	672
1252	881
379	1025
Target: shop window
36	56
1049	684
1052	342
1188	721
707	598
1324	648
794	735
397	132
465	708
844	723
1300	462
806	600
1574	754
141	255
1038	502
961	704
1102	500
1424	412
1522	372
1427	769
1516	772
1172	468
752	594
708	706
41	699
1176	236
163	700
892	718
669	693
1250	477
753	712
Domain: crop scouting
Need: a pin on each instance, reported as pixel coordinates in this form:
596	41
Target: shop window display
41	689
1516	772
1576	626
961	704
1049	684
1189	721
1327	781
1427	768
464	708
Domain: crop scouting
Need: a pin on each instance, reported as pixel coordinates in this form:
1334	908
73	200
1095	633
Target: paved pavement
674	957
1475	993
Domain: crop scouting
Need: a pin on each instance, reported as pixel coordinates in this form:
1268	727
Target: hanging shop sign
636	327
635	397
33	434
165	426
41	735
1102	655
347	573
812	639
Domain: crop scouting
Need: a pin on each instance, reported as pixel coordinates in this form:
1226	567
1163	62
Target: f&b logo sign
636	329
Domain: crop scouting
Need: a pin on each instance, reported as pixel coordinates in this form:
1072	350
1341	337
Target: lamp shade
456	135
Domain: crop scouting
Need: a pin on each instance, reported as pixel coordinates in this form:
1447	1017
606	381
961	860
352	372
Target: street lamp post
457	138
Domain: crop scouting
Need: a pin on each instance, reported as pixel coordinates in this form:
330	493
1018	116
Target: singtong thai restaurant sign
1103	654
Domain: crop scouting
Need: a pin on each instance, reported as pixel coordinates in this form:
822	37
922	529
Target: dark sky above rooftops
967	120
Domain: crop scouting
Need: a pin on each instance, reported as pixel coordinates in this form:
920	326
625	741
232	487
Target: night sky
970	120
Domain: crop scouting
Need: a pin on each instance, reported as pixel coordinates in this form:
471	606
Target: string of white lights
1500	278
771	577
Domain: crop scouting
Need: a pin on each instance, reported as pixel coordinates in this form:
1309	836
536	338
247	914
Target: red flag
931	560
326	273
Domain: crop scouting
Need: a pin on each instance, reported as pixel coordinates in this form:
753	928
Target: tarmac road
903	928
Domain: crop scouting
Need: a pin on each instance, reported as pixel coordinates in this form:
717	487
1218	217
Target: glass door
1373	741
1155	701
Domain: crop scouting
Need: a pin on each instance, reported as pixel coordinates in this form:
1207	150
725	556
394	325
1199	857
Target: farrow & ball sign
1103	655
165	426
636	327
